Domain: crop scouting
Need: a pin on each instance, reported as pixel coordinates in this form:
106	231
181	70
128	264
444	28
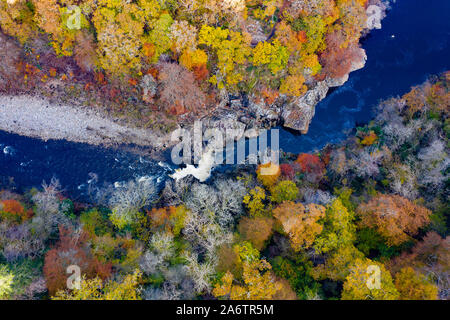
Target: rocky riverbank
295	114
36	117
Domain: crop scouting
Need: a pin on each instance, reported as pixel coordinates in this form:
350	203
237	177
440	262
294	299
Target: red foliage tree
336	59
287	171
200	72
71	249
310	163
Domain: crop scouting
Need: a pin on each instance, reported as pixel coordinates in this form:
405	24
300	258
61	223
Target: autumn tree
96	289
258	282
268	174
430	257
6	282
120	33
183	35
257	230
72	249
273	55
394	217
338	228
14	211
231	48
255	201
169	219
287	171
179	92
310	163
85	51
293	85
369	280
300	222
127	201
414	286
337	263
337	60
286	292
312	166
415	100
284	191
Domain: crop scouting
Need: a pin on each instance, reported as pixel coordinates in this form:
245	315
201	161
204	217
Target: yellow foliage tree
369	280
254	201
259	283
274	55
337	264
16	19
339	229
95	289
414	286
268	174
231	48
293	85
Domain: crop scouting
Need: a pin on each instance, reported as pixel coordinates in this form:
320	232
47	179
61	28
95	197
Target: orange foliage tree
14	211
394	217
300	222
170	219
256	230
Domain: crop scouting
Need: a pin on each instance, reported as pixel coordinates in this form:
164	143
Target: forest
156	62
313	229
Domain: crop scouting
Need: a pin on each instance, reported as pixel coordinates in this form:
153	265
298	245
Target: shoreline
30	116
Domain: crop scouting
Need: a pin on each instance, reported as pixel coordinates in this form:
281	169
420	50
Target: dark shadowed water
412	45
26	162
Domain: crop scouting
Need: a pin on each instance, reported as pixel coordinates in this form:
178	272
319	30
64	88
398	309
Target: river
412	45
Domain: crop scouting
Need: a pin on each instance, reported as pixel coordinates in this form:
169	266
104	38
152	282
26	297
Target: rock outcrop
298	113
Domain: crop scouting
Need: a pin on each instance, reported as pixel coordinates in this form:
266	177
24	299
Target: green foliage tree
284	191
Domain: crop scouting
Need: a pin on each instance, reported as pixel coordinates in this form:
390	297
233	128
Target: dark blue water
27	162
413	44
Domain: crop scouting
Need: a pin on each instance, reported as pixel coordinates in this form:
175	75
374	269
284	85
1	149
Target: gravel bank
36	117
